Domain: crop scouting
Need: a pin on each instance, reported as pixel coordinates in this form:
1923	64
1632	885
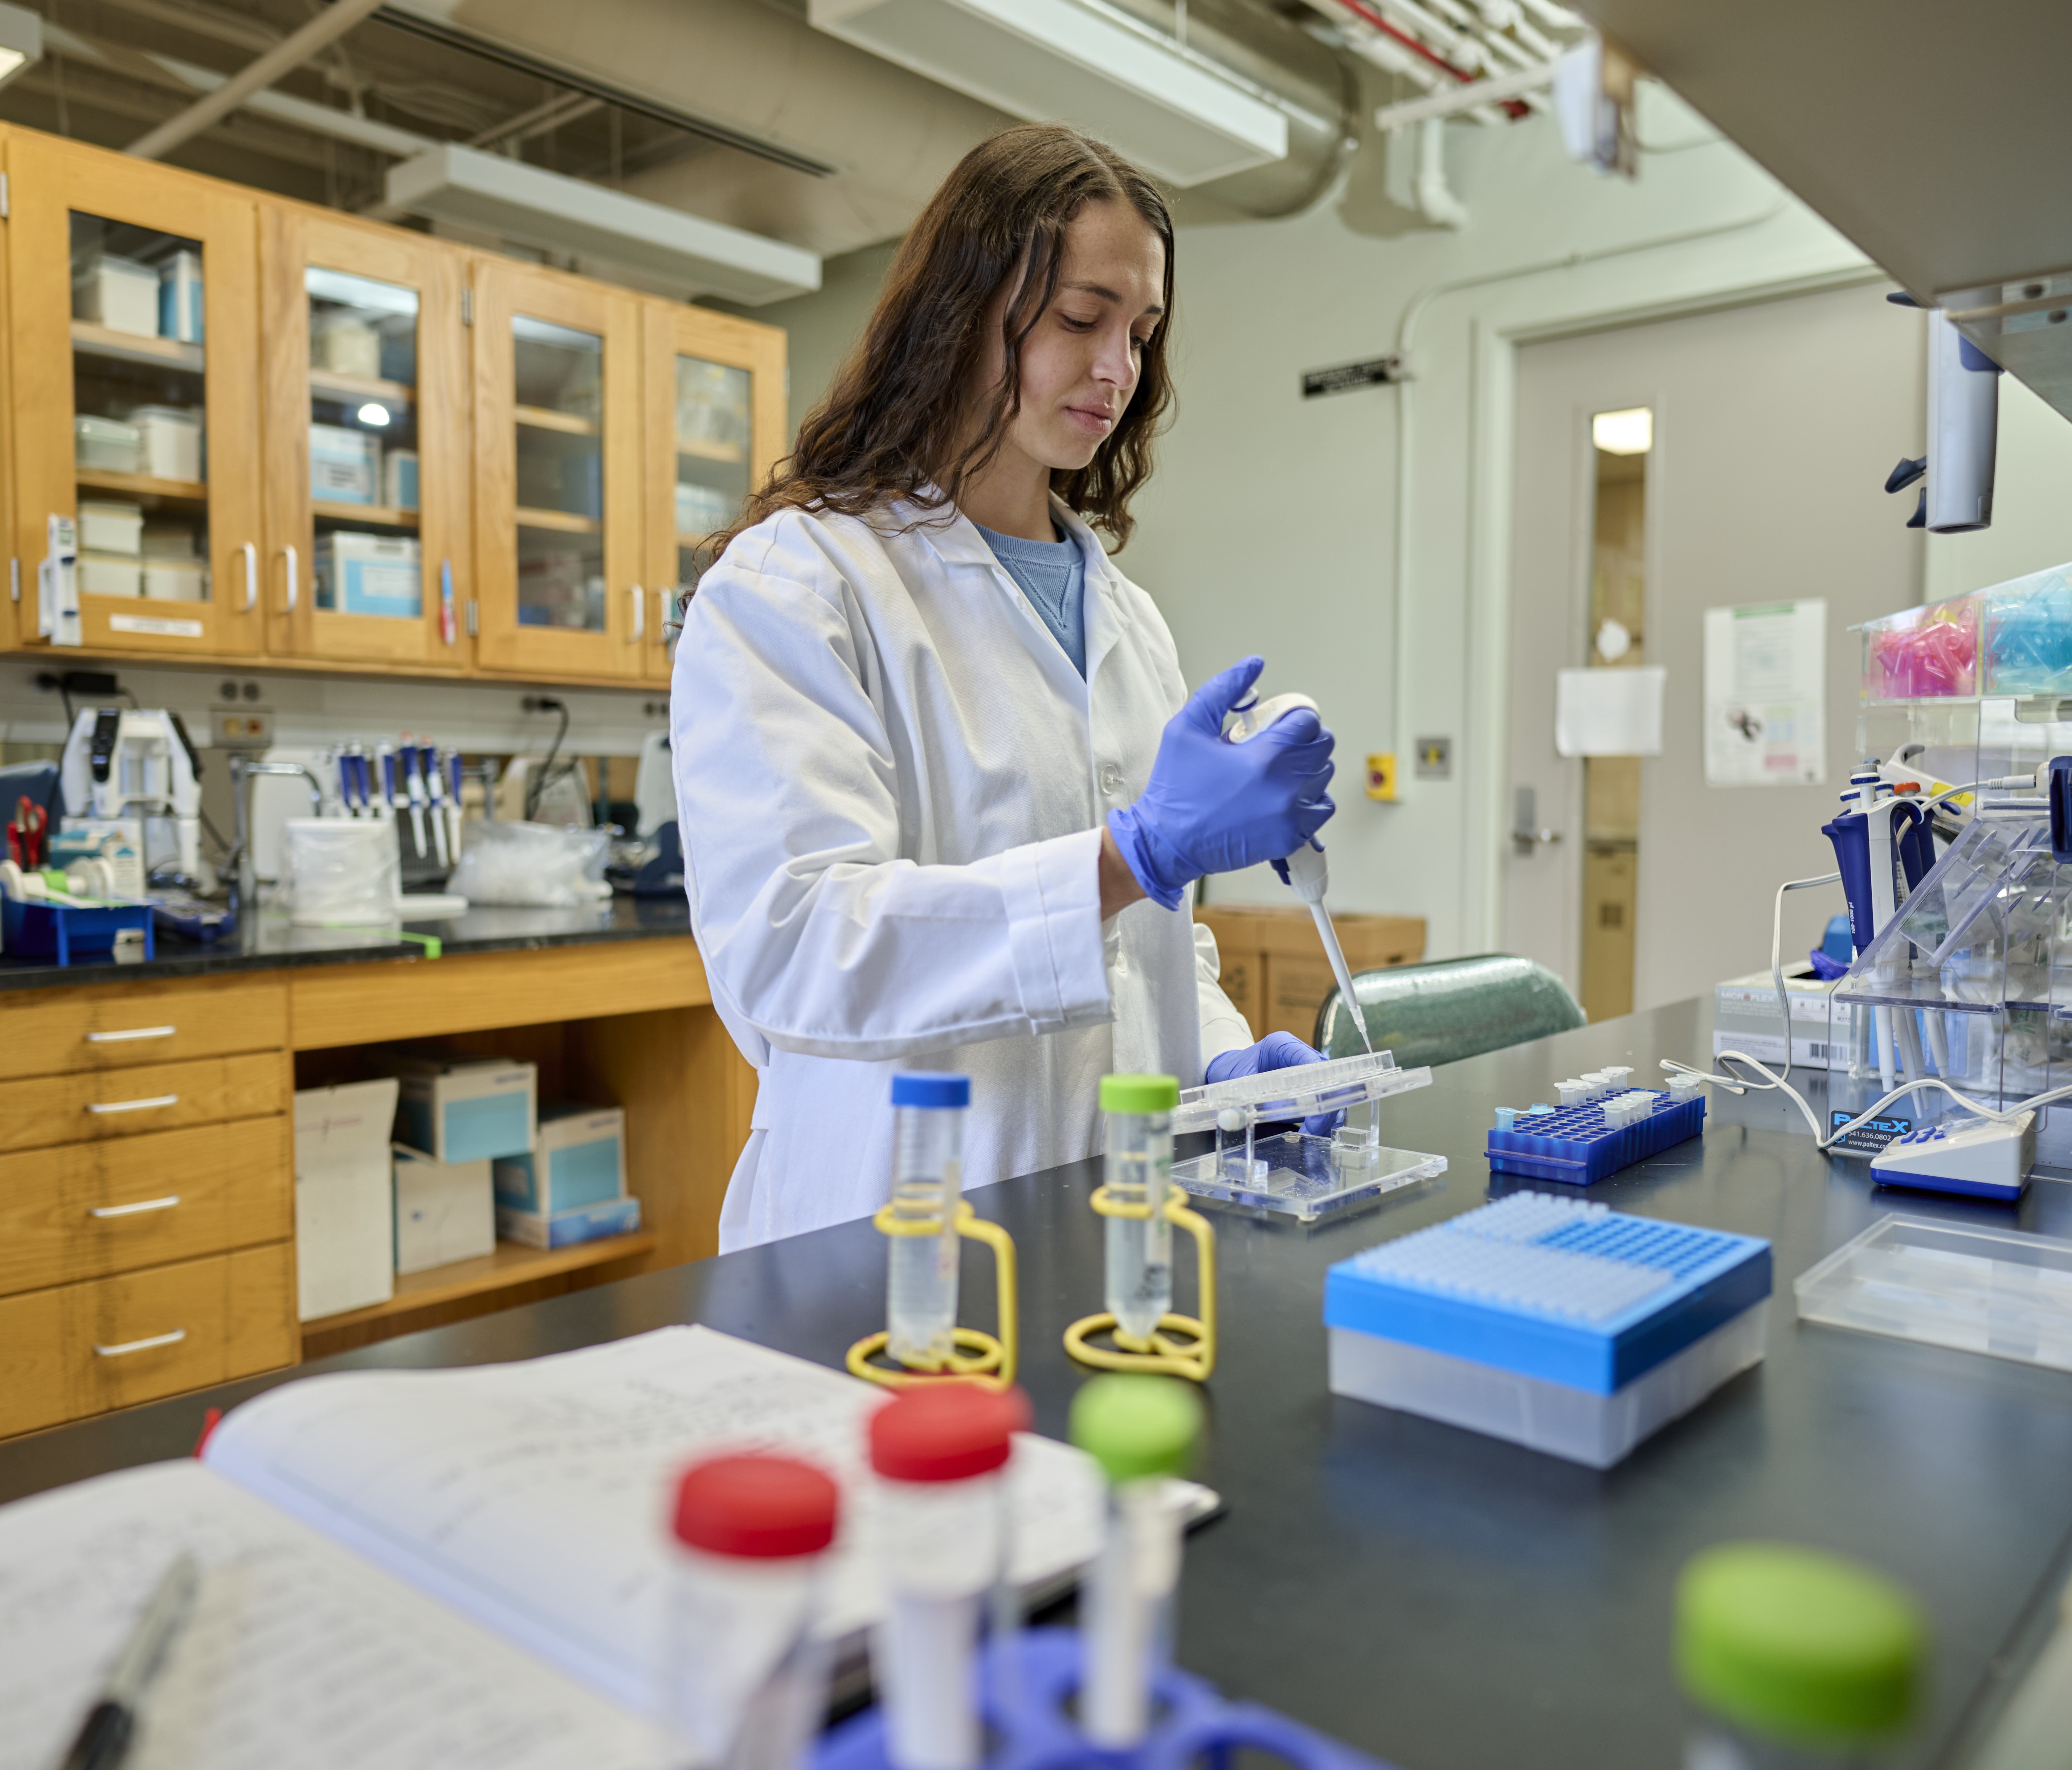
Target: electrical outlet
240	728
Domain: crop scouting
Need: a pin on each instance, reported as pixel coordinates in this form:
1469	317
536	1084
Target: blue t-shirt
1053	576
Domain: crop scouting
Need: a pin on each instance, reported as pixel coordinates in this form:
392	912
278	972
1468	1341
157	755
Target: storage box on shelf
1274	970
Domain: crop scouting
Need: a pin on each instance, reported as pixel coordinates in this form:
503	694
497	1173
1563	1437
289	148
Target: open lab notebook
446	1568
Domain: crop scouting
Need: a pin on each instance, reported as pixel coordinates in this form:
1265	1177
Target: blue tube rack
1194	1728
1576	1147
30	930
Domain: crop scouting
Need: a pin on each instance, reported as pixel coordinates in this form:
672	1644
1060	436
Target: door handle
294	567
662	616
131	1032
640	614
1527	831
250	550
133	1106
164	1204
128	1346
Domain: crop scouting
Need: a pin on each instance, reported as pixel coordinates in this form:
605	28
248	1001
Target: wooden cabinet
558	477
367	474
133	318
715	417
239	402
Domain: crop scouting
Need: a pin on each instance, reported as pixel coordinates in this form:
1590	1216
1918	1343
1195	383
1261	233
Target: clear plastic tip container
1142	1431
1139	1172
744	1677
1795	1660
928	1179
940	1452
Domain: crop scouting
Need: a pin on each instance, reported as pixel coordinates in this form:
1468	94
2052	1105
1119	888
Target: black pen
104	1735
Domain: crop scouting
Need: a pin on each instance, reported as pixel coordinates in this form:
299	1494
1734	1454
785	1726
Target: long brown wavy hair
894	421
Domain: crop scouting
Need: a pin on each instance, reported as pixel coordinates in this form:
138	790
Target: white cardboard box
462	1109
344	1212
445	1211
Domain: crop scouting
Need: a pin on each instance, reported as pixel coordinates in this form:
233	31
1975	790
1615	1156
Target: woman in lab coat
931	821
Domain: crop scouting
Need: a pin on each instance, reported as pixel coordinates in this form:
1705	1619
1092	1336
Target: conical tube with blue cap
927	1178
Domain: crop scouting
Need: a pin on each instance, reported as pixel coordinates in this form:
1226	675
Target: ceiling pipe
1464	98
285	56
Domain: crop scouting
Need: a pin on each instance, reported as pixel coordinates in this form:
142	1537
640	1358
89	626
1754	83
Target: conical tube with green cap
1796	1658
1139	1170
1142	1431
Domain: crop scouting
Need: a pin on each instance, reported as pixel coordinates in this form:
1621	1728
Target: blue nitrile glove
1213	807
1276	1051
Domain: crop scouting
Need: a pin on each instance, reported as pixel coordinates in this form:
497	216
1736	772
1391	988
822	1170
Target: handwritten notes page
534	1496
297	1652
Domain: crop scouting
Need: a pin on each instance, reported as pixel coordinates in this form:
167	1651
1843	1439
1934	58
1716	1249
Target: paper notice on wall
1765	696
1609	713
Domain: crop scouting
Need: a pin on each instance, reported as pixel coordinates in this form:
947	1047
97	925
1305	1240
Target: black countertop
1441	1599
271	939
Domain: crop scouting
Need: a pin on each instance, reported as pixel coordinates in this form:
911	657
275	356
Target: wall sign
1376	371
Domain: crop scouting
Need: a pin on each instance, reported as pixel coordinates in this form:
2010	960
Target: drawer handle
129	1346
133	1106
164	1204
131	1032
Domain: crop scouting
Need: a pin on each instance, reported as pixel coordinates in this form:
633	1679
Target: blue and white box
445	1211
359	573
578	1159
567	1228
1553	1322
465	1109
345	465
179	297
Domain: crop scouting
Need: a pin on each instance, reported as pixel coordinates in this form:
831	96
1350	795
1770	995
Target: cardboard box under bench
1274	970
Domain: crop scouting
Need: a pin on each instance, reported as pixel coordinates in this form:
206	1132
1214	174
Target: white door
1773	426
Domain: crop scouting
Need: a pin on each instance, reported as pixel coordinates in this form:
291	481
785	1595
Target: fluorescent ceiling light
523	203
1628	432
1045	60
21	40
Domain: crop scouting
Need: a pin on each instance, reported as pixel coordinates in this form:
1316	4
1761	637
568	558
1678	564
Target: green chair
1450	1008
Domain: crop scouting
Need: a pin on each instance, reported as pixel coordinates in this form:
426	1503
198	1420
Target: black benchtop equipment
1443	1600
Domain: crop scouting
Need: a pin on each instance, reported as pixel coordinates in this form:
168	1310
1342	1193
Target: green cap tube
1137	1427
1796	1645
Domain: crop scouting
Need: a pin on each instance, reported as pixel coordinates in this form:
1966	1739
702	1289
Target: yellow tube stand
983	1359
1157	1353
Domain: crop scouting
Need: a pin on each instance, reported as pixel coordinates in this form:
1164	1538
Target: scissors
25	835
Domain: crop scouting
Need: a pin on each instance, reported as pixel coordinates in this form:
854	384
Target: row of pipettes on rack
419	781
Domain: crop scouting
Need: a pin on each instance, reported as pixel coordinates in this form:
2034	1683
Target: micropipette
1307	872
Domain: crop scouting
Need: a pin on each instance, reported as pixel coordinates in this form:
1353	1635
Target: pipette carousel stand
1139	1260
921	1293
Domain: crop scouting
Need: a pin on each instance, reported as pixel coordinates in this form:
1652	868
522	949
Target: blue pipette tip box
1574	1147
1549	1320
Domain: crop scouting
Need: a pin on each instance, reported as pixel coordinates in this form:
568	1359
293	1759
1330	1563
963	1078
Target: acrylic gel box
578	1159
344	1214
445	1211
463	1109
1552	1322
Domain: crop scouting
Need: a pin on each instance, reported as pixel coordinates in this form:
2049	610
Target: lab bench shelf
510	1266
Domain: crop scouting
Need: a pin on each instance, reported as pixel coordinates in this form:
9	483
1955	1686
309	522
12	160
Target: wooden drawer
64	1109
49	1032
83	1349
85	1210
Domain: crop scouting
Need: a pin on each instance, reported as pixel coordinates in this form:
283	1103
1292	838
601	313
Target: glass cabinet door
366	469
715	428
136	411
558	494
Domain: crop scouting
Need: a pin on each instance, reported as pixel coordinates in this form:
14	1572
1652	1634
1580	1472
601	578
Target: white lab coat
892	785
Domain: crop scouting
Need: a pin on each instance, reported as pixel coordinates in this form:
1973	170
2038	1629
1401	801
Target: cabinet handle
131	1032
164	1204
129	1346
294	587
662	617
640	614
250	550
133	1106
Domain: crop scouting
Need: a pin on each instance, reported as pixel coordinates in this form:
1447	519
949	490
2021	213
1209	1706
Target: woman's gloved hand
1276	1051
1213	807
